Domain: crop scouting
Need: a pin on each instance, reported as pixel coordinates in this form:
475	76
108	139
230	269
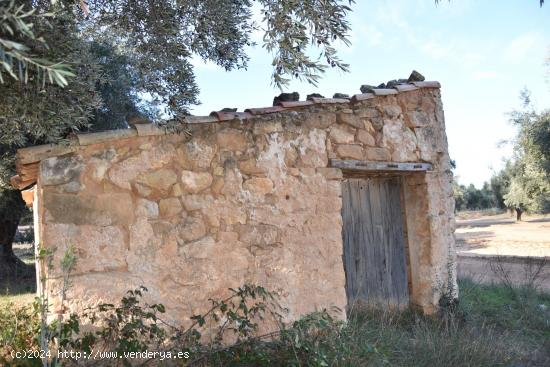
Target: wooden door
375	258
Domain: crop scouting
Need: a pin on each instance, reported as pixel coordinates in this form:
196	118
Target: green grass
524	313
492	325
18	289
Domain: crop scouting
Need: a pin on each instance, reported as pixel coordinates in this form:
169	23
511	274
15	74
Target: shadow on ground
538	220
21	280
484	222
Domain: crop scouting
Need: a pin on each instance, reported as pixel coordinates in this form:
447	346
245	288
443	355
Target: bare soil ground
497	249
502	235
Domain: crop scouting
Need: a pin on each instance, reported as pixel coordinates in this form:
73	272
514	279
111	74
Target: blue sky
482	52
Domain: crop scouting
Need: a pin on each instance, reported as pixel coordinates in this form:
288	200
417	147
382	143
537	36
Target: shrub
132	326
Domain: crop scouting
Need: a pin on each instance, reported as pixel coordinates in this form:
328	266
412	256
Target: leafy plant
132	326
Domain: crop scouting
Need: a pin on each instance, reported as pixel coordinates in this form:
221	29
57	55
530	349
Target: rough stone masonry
248	197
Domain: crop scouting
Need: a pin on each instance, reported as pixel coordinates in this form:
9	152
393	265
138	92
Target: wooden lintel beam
356	165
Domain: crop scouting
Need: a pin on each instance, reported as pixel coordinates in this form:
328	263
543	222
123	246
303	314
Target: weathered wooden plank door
374	242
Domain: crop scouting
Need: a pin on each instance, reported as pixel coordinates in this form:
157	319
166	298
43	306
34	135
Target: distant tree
458	193
530	174
500	184
529	188
517	197
488	199
471	198
477	199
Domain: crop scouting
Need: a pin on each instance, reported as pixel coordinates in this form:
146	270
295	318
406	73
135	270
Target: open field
502	235
497	249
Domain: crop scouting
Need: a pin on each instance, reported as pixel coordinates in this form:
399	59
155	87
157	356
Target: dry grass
473	214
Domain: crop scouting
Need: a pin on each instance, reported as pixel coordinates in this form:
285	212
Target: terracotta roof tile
92	138
384	91
27	171
226	116
317	100
361	97
292	104
263	110
244	115
405	87
199	119
431	84
149	130
39	152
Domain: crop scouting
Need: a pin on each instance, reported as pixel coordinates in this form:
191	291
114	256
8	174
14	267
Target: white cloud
454	8
470	59
391	13
365	30
485	74
437	50
369	34
519	47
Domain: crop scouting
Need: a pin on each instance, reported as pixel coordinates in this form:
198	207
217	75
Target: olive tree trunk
519	212
11	210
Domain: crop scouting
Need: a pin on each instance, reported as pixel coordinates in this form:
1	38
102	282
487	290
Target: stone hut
325	202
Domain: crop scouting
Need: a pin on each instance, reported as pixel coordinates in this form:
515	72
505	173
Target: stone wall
245	201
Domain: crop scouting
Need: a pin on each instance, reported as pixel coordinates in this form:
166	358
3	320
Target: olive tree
529	188
68	65
37	103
